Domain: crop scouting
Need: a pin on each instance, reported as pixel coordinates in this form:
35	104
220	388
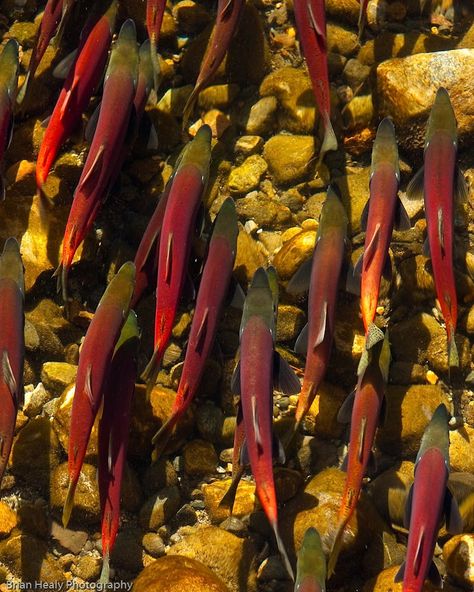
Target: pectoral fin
201	335
434	576
415	187
408	505
454	521
91	124
323	321
461	191
301	345
372	247
418	553
299	283
235	380
62	69
345	412
93	174
400	573
364	216
284	379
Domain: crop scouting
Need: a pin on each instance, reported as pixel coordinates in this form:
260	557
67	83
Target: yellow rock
244	500
389	491
8	520
250	256
321	419
458	554
460	450
290	158
231	558
175	574
293	253
384	582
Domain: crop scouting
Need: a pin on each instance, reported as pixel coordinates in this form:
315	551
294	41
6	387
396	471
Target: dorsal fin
258	437
418	553
441	230
363	429
320	34
9	377
227	10
371	247
201	335
323	321
95	169
169	258
88	385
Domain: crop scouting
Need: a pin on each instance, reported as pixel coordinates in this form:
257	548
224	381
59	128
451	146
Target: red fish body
379	217
257	336
12	345
323	286
94	362
310	20
155	9
179	220
213	289
442	180
9	61
227	21
428	501
105	153
365	418
113	433
82	79
52	15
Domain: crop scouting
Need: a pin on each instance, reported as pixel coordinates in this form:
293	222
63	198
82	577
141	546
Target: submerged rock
175	574
458	555
289	157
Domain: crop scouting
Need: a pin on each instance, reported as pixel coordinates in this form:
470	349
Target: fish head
225	225
441	117
120	289
9	65
385	147
11	265
311	561
333	214
198	152
124	54
130	334
145	66
259	302
436	434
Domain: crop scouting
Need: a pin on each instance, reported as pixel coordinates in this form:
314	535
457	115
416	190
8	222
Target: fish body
365	418
12	345
362	18
83	77
9	64
439	180
105	152
323	286
257	337
381	208
311	564
422	518
49	24
155	9
310	20
94	363
113	432
213	289
227	21
184	198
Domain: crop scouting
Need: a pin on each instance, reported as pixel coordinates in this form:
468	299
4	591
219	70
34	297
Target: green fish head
436	434
120	288
130	334
145	65
198	152
226	223
11	265
311	561
442	117
9	65
333	214
259	301
385	147
124	54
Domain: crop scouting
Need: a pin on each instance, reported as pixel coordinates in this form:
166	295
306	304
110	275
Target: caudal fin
229	498
163	435
282	550
105	573
453	356
329	140
150	374
68	504
336	547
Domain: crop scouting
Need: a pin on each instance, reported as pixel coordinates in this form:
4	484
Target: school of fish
109	58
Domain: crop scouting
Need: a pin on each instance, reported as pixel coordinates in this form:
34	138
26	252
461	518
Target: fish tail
105	573
155	64
163	435
228	500
361	21
336	548
329	140
282	550
44	204
453	356
150	374
68	504
189	107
